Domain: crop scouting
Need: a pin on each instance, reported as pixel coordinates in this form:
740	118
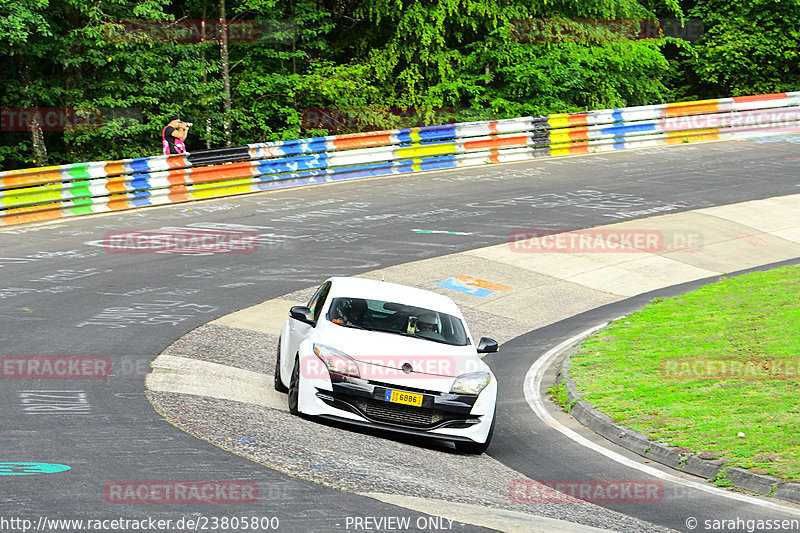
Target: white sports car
388	356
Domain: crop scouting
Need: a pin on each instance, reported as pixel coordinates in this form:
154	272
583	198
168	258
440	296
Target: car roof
392	292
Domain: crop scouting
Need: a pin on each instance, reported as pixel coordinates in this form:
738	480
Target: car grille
400	414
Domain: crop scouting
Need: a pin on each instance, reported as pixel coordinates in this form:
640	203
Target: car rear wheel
294	388
279	386
476	447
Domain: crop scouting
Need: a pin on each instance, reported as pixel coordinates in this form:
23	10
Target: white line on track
531	388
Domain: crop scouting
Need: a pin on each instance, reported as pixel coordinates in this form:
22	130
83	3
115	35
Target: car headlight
336	361
472	383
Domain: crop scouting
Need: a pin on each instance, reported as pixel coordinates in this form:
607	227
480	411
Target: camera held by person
174	134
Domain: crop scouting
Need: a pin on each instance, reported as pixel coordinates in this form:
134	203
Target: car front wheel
279	386
294	388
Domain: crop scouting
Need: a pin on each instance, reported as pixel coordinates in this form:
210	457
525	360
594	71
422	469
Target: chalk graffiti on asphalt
170	312
10	292
585	199
70	402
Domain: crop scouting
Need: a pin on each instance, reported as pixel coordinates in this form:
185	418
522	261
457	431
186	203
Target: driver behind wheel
427	327
354	313
426	322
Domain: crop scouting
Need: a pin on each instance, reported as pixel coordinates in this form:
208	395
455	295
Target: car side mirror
303	314
487	345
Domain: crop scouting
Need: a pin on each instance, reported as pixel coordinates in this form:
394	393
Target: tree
747	48
21	23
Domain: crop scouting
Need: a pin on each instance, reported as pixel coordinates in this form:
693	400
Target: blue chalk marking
460	286
27	469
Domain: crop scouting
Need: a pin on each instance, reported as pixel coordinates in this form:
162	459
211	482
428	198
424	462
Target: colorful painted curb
48	193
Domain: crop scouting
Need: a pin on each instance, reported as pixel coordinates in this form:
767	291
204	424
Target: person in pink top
173	135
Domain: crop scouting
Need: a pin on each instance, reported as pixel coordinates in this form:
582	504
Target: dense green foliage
438	61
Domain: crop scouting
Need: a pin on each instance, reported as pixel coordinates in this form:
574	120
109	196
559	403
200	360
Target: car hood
382	356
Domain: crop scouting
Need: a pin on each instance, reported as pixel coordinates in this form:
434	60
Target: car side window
317	302
314	298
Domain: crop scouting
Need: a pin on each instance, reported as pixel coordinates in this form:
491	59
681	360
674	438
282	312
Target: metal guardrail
47	193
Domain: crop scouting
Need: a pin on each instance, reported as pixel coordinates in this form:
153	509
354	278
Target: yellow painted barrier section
212	189
45	193
426	150
677	137
560	120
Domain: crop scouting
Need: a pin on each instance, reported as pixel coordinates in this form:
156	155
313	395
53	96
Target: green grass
698	369
559	395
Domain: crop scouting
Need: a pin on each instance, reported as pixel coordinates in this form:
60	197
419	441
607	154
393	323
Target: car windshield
402	319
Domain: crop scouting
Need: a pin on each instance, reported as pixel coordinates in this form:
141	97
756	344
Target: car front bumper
449	416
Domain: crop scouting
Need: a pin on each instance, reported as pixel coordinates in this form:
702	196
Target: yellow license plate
406	398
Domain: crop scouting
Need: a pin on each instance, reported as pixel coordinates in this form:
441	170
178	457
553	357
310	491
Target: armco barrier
83	188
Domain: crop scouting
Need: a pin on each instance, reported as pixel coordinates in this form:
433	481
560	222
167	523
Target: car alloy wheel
279	386
294	388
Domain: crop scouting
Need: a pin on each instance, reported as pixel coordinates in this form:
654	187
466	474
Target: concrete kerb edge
671	456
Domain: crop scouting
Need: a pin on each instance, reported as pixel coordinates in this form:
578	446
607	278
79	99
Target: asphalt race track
64	294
